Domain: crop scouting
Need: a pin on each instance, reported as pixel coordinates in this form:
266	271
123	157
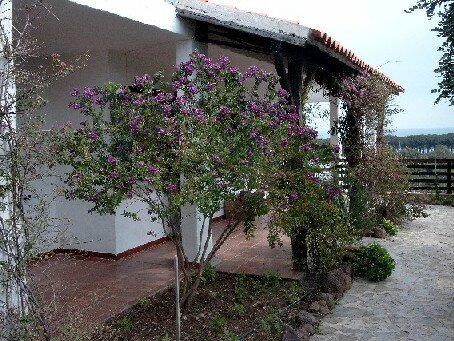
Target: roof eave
254	23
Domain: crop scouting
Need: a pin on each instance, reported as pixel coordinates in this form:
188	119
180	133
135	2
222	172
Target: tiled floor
90	290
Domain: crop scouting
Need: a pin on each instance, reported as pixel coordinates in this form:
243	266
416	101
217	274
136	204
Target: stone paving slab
417	301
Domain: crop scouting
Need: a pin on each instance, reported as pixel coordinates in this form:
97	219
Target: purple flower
283	143
253	134
89	93
133	124
160	131
224	61
307	147
177	85
312	177
193	90
254	107
94	197
234	70
219	183
224	111
188	67
120	91
331	192
152	170
282	93
139	150
75	92
181	100
293	117
336	149
131	180
92	135
171	187
159	97
167	108
98	101
137	102
199	115
262	141
114	175
75	105
113	161
314	159
216	158
293	196
252	71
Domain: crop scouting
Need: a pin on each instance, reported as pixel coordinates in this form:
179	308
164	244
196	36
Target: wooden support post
449	164
295	78
281	71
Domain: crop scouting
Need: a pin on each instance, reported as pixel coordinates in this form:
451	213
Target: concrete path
417	301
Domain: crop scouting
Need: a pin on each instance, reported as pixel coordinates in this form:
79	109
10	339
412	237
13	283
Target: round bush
390	227
373	262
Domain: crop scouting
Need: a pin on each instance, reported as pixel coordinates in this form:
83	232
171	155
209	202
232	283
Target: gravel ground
417	301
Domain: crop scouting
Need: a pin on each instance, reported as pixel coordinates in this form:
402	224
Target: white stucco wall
130	233
159	13
78	228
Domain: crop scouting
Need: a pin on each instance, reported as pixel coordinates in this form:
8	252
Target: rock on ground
417	301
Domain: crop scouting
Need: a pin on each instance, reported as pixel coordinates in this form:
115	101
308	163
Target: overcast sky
401	45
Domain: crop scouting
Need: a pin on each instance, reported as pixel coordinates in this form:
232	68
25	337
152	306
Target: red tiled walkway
93	289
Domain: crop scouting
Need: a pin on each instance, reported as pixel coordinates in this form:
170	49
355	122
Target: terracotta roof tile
329	42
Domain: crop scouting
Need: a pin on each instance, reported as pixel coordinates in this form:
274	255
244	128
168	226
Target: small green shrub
373	262
390	227
145	302
219	324
237	309
240	289
271	321
270	280
209	274
125	324
295	291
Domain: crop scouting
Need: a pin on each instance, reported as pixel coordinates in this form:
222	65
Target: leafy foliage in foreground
390	227
373	263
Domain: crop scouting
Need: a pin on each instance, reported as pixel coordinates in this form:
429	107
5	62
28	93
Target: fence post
449	177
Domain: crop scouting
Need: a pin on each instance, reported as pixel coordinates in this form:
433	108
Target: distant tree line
423	146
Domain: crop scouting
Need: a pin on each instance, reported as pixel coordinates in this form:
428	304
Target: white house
126	38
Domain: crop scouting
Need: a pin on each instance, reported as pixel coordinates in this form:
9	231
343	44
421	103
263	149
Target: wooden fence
431	174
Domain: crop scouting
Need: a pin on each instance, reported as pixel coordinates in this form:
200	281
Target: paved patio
416	302
90	290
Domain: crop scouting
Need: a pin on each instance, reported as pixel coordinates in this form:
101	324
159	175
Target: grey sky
380	32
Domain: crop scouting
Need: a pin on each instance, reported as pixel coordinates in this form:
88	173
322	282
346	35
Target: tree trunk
299	249
351	140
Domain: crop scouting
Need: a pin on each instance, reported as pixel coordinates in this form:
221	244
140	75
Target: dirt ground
417	301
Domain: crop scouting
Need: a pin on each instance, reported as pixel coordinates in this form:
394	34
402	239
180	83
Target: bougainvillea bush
212	133
308	205
379	179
